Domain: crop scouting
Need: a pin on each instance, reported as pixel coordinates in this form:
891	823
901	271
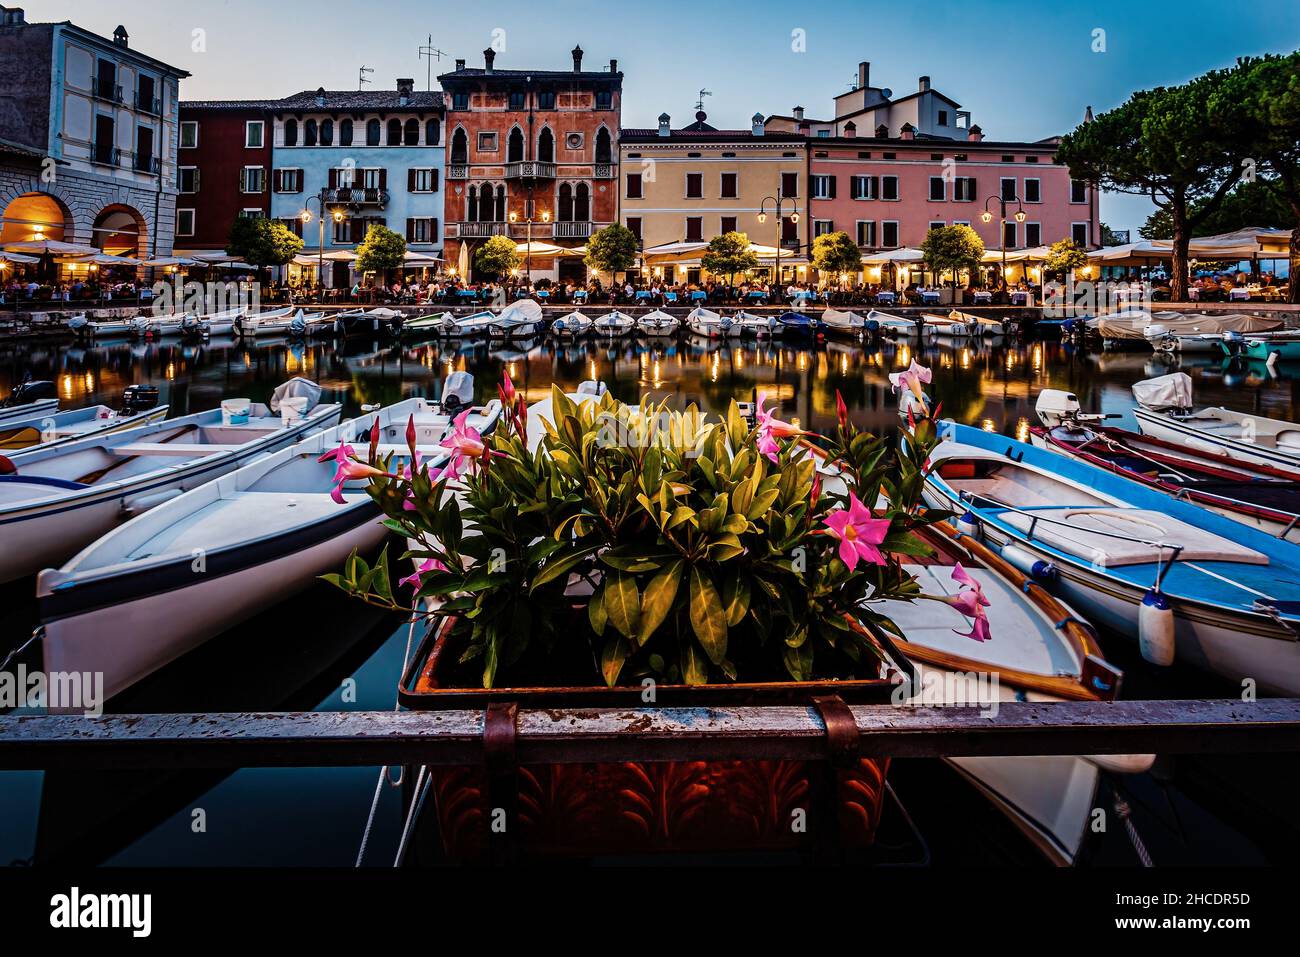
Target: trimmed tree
952	248
497	257
836	253
729	254
381	251
1065	256
262	242
1164	144
612	250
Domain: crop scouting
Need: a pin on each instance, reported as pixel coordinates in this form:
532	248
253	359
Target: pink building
887	169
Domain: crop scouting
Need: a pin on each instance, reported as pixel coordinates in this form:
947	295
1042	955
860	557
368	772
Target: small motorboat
1269	347
27	399
140	407
902	327
1259	495
946	327
380	321
706	322
1136	325
220	323
658	324
311	325
797	325
264	531
1185	582
86	327
271	323
752	324
843	323
430	324
571	326
154	327
982	325
473	326
614	324
55	501
1165	412
521	319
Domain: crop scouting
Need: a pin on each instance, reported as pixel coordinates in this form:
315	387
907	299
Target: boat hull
1169	429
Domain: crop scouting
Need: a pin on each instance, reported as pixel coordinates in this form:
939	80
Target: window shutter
410	188
277	177
243	180
334	178
195	174
410	228
875	187
433	173
832	185
433	227
383	179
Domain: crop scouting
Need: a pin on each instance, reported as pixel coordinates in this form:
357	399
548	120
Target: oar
92	477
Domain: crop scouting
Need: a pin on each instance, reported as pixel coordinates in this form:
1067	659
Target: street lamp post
305	216
528	245
778	204
987	217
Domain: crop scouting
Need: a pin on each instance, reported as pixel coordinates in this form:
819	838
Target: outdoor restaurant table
543	294
580	294
699	295
1239	292
757	295
670	296
886	297
1019	298
983	296
643	294
930	296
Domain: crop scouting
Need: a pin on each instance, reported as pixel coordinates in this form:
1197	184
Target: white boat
982	325
614	324
658	323
60	428
900	326
431	324
311	325
752	324
571	326
1136	325
1188	584
1165	412
274	322
220	323
155	326
474	325
264	531
55	501
29	399
521	319
946	327
101	328
844	323
706	322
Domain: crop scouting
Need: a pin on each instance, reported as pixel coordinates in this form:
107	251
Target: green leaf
561	563
617	650
707	617
695	667
735	597
622	603
658	599
596	613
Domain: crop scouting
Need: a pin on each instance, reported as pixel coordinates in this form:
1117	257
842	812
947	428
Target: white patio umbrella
101	259
21	258
171	261
52	247
904	254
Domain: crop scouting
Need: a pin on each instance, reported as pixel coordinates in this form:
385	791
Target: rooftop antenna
853	84
429	51
361	75
699	104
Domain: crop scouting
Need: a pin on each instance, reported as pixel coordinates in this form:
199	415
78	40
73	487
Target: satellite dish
886	92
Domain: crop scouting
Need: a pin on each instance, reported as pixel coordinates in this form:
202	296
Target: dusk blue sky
1025	70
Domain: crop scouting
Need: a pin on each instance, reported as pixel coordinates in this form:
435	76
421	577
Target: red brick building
223	170
530	144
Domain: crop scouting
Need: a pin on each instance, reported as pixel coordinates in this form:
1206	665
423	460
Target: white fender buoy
1156	629
1029	563
968	524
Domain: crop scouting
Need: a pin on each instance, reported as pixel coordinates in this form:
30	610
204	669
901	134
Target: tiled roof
334	100
706	135
20	149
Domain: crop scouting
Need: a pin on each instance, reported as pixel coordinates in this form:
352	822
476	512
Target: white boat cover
523	310
296	388
837	319
1086	533
1133	325
1173	391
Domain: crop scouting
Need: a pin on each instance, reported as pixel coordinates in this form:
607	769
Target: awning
171	261
20	258
53	247
904	254
101	259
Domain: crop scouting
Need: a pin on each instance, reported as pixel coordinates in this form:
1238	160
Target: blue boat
797	325
1186	582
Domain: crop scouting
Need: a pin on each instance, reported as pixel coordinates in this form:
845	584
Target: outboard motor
910	404
1234	342
140	398
457	393
1059	411
78	323
298	327
725	324
28	392
592	387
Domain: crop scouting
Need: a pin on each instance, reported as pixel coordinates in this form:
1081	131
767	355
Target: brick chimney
756	124
460	65
120	36
975	134
850	130
577	59
882	132
613	66
864	75
488	56
13	17
908	132
404	89
923	84
798	112
664	125
320	96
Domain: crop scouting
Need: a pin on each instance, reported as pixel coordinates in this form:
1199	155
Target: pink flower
428	565
841	410
506	390
970	601
350	470
916	376
465	440
859	533
340	455
770	429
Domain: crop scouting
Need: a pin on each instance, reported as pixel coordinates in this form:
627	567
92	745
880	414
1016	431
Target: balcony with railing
105	154
357	196
540	231
530	169
458	171
604	171
572	230
102	89
148	104
147	164
480	230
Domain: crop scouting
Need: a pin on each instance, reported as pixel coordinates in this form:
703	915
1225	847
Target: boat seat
1086	533
190	449
1001	488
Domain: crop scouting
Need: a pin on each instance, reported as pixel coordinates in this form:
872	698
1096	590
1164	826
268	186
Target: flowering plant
702	552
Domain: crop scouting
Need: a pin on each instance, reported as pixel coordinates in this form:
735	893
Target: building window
326	132
727	224
964	189
889	234
1008	159
345	132
518	100
422	180
694	185
789	184
184	222
824	134
1033	191
187	179
515	146
943	117
938	224
789	232
394	132
252	179
1033	234
374	178
374	132
253	133
144	96
729	186
604	99
694	229
1078	191
460	101
343	231
1079	233
864	187
411	132
189	134
634	186
822	227
822	186
309	133
937	191
459	148
432	133
1009	235
420	229
487	142
253	212
288	181
343	177
634	226
889	188
1008	191
546	146
604	146
867	233
546	100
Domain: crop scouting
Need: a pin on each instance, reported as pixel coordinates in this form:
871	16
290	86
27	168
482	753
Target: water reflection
991	383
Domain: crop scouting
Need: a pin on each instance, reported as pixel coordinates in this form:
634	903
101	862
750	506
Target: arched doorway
120	231
34	216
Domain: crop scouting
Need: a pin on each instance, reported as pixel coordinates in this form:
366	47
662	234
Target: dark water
318	651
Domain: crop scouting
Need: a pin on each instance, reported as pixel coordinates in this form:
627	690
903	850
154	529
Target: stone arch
604	145
515	145
40	204
122	230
